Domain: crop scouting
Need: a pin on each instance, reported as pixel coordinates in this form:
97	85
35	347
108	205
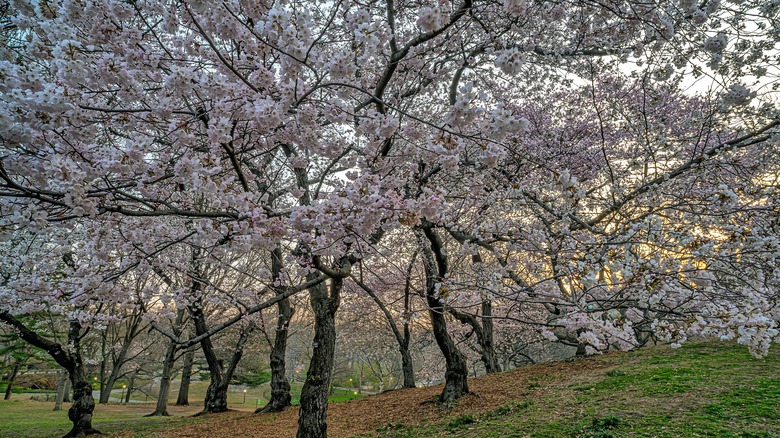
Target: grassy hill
702	389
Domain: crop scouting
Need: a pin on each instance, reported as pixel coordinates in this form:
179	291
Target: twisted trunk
216	393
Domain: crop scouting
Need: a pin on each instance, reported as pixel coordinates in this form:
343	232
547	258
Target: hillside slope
702	389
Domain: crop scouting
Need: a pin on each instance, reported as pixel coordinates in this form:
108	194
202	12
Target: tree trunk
280	387
11	380
186	373
165	379
80	412
105	390
314	395
406	359
456	374
487	345
216	393
130	385
66	392
60	391
403	340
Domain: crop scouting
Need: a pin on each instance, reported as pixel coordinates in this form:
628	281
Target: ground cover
702	389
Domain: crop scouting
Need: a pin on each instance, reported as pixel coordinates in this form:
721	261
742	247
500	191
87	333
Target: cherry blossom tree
612	164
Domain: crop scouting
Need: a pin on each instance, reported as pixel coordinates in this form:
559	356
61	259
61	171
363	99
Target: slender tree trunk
165	378
11	380
119	359
403	340
186	373
456	373
280	387
314	395
489	357
105	390
60	391
165	383
130	385
406	360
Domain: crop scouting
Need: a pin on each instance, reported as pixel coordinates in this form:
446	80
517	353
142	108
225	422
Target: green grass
701	390
23	418
337	395
30	419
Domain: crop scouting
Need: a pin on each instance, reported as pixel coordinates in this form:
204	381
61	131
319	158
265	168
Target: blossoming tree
560	142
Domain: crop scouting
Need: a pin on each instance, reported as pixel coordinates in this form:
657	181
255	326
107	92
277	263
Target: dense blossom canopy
604	171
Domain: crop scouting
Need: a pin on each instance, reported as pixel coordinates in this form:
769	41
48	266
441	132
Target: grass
24	418
30	419
700	390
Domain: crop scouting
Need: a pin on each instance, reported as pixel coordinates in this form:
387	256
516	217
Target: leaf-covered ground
703	389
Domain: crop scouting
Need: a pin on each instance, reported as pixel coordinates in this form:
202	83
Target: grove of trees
485	176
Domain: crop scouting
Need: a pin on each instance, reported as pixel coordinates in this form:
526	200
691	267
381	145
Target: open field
703	389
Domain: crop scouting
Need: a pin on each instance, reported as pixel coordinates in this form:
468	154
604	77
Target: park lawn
24	418
703	389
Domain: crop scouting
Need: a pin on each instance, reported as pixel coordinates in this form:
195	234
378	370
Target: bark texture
280	387
312	419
